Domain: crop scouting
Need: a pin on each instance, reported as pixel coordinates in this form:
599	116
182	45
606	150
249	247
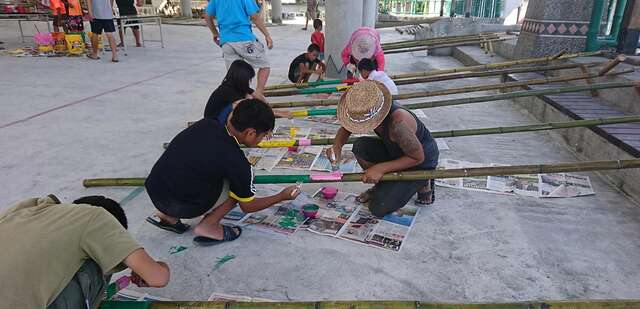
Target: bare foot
138	45
213	232
365	196
165	218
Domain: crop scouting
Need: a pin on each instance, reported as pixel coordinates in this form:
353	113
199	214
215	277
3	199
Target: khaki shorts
252	52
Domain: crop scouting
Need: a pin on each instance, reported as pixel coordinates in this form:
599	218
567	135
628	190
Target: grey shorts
253	52
86	286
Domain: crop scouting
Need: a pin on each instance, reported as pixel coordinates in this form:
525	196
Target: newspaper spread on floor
341	217
534	185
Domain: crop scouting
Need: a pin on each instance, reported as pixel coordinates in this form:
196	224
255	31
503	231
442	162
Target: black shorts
387	196
128	22
98	25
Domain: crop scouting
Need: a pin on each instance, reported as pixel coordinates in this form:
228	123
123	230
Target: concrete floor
66	119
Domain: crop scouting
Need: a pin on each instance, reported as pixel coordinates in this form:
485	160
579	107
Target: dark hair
317	23
108	204
313	47
367	64
253	113
239	76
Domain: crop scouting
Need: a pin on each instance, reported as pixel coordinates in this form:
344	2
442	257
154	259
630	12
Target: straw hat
363	107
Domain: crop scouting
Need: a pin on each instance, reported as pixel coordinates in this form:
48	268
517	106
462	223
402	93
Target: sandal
427	194
230	233
177	228
365	196
114	60
93	57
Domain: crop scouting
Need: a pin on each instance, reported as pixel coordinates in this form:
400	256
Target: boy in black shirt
204	172
306	64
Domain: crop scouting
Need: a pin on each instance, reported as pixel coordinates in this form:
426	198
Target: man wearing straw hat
403	143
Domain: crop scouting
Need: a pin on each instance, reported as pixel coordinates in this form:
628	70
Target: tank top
431	152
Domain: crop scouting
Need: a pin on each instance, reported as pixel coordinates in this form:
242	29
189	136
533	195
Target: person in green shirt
60	255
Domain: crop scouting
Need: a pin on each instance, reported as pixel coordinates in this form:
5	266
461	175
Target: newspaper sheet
324	119
442	144
329	132
333	214
348	162
284	218
264	158
564	185
302	159
449	182
387	233
284	132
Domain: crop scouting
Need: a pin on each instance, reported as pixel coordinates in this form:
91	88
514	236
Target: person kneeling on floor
61	255
205	172
304	65
369	71
403	143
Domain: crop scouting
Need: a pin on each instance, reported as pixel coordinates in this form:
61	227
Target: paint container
310	210
329	192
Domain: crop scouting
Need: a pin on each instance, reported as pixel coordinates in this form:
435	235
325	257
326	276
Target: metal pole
594	25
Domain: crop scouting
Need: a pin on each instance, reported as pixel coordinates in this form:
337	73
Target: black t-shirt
294	67
221	100
193	167
126	7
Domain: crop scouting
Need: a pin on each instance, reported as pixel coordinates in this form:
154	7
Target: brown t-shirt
44	244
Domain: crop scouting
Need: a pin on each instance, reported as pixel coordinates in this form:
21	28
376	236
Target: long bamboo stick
492	65
437	42
422	94
584	304
416	175
457	70
465	43
612	64
436	78
470	132
473	132
443	38
495	97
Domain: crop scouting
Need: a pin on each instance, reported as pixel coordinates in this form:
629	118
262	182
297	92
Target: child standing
58	11
74	17
317	37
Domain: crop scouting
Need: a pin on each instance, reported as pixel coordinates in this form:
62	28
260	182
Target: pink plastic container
329	192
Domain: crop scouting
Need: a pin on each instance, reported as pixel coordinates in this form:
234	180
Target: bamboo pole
560	54
496	97
438	39
612	64
419	80
586	166
492	65
423	94
470	132
437	42
582	304
476	42
456	70
473	132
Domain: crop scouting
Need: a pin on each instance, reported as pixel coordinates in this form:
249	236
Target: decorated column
343	17
551	26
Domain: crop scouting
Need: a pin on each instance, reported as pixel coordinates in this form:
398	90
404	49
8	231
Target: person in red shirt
317	37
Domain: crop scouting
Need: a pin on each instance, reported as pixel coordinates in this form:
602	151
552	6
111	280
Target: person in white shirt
368	70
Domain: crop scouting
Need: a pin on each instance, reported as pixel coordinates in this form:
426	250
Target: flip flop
93	58
177	228
114	60
229	234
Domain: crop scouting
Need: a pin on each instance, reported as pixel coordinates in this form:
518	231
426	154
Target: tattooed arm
402	130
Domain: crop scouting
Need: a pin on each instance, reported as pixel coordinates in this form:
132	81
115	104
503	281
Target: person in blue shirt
236	38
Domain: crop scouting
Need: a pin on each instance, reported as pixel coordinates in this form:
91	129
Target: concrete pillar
185	8
551	26
276	11
343	17
369	13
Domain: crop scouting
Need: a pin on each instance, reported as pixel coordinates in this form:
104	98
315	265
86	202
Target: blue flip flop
230	233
